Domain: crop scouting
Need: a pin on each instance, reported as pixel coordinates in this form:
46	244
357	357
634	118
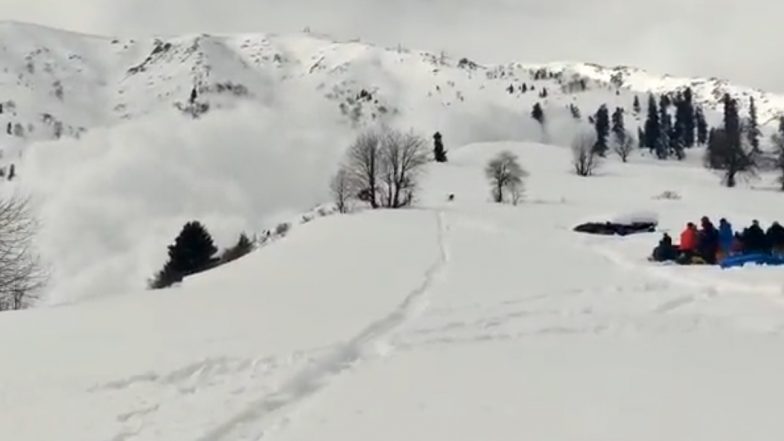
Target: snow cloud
111	202
723	38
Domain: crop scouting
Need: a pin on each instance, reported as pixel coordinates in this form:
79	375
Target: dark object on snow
754	240
616	229
666	251
451	197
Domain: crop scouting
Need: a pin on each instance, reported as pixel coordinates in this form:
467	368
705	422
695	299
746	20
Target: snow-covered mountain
55	83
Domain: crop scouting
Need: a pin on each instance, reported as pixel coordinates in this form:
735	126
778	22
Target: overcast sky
733	39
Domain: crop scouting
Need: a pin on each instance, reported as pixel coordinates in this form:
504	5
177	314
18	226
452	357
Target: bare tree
383	167
341	189
584	157
623	146
404	156
21	274
363	166
506	176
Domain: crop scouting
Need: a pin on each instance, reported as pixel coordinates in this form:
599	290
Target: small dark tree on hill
652	126
640	137
537	113
439	153
243	246
778	143
192	252
702	126
618	127
543	93
506	177
636	105
752	127
602	126
665	129
726	151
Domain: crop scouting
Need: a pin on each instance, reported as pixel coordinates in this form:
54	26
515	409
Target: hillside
54	83
454	321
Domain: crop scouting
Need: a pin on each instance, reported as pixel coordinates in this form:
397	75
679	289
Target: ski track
269	412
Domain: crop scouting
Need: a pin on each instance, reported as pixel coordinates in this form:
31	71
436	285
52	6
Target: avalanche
458	320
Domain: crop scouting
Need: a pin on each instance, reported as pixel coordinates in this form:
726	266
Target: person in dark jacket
754	239
775	238
725	238
665	252
737	245
708	241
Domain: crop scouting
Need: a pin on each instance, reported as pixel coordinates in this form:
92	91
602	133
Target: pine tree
525	88
243	246
640	137
438	148
665	129
752	127
602	125
726	151
618	127
652	126
543	93
537	113
778	142
684	119
192	252
636	106
702	126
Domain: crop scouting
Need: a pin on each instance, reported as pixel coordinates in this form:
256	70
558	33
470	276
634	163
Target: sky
712	38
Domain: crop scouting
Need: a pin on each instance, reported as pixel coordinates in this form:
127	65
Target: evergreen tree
752	127
652	126
684	119
636	106
640	137
702	126
665	129
438	148
243	246
602	125
543	93
525	88
726	151
537	113
192	252
618	127
778	143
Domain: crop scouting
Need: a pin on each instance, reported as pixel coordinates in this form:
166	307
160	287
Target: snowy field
457	320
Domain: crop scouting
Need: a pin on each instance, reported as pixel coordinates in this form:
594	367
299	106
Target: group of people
710	245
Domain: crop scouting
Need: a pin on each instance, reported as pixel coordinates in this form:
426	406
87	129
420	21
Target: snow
451	320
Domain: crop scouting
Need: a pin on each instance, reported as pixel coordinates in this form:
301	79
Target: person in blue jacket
726	237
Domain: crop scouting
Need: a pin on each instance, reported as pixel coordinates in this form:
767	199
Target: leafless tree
341	189
623	146
506	176
404	156
383	167
584	158
21	273
363	166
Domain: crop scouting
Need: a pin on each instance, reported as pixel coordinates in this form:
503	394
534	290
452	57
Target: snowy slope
54	83
449	321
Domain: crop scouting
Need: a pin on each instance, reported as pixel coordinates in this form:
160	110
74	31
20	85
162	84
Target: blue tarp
755	259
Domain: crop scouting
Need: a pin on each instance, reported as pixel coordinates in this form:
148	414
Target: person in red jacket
689	239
